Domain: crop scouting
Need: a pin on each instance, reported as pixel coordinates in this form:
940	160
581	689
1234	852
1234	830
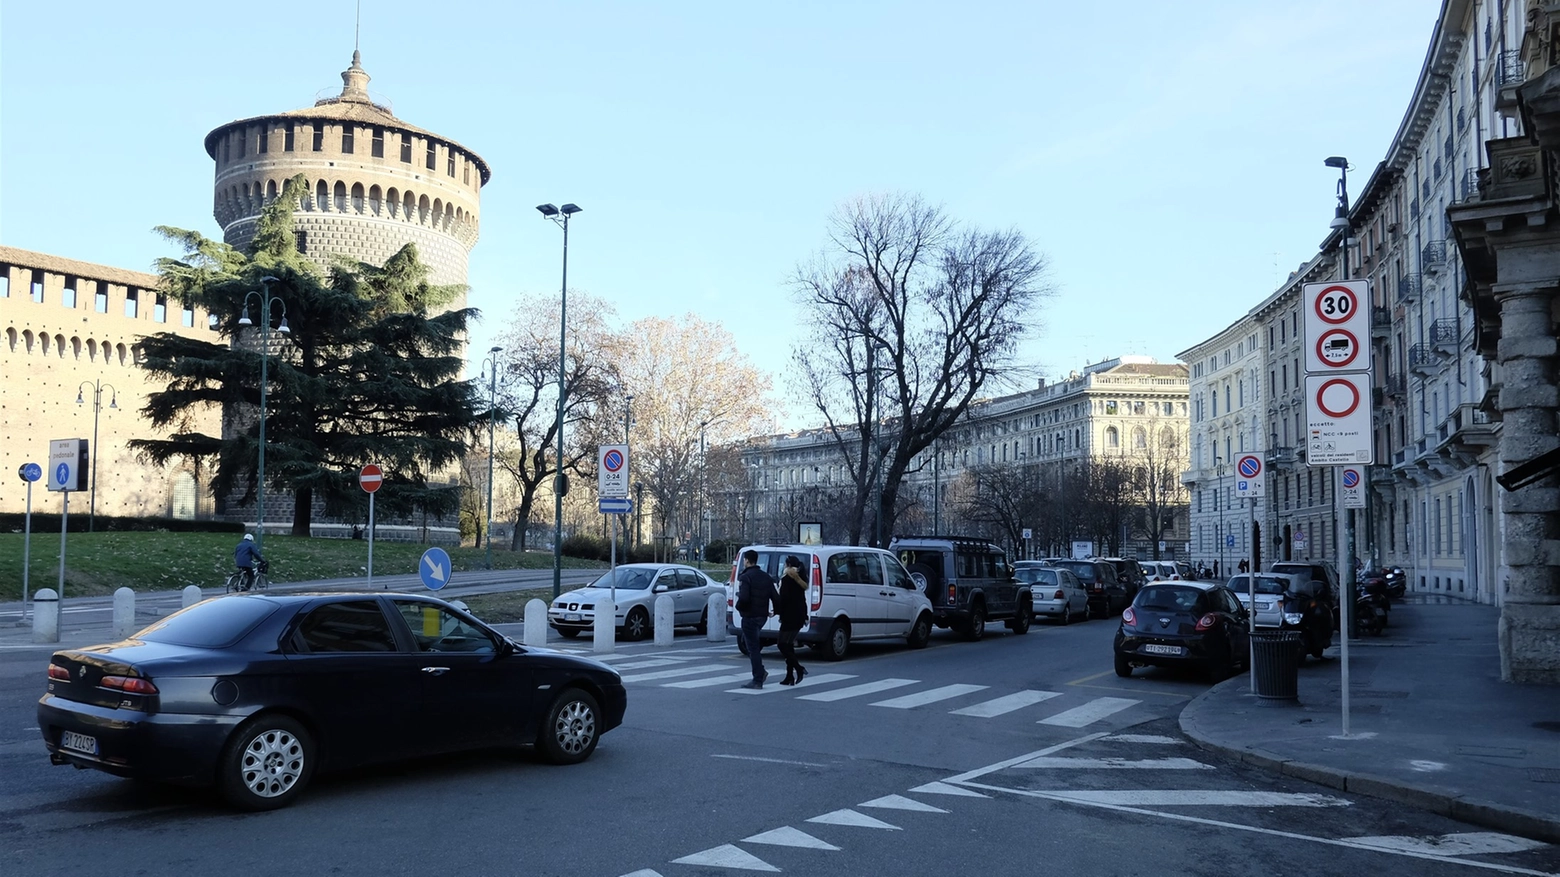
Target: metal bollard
124	613
715	619
189	596
46	616
664	614
605	627
535	623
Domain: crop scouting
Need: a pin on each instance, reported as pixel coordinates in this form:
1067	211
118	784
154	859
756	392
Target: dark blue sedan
255	693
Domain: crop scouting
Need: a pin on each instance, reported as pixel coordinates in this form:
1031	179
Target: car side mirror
660	589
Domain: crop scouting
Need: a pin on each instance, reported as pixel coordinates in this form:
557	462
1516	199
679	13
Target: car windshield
210	624
1263	584
1080	568
1169	599
628	579
1029	575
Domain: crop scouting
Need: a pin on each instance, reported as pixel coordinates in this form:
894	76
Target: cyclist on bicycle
245	556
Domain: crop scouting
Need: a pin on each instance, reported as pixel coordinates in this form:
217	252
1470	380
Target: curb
1499	817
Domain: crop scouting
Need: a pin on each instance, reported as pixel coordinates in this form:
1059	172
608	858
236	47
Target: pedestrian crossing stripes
858	690
922	698
1006	704
1089	713
709	681
811	680
672	674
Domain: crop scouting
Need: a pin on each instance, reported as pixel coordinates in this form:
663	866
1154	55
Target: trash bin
1275	665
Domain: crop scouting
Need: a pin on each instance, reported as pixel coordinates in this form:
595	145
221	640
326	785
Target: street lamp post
492	369
560	215
704	481
97	405
266	299
1340	222
1219	500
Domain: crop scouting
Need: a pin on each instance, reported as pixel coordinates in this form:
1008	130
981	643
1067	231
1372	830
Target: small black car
1108	594
1177	624
255	693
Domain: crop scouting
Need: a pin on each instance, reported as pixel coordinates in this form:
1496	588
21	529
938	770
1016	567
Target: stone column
1530	411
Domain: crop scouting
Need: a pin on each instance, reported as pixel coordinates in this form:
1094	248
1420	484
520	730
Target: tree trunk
303	512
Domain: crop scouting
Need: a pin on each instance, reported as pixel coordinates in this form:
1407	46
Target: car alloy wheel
267	763
571	729
636	625
976	627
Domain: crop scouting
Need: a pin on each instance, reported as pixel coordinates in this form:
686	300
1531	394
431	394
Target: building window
263	142
348	140
301	241
318	144
130	301
37	286
465	172
433	154
406	148
68	295
100	300
1112	437
160	309
187	317
289	139
377	149
1110	406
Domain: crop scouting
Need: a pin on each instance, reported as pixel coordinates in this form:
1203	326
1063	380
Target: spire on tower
354	80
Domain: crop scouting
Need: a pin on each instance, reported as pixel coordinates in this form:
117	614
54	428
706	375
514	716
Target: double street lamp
97	405
491	366
266	300
560	215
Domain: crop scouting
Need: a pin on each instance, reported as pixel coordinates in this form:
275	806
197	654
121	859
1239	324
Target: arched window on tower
409	207
393	202
357	197
270	190
322	195
422	210
341	196
374	200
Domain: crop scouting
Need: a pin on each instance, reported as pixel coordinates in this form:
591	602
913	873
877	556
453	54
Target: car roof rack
947	538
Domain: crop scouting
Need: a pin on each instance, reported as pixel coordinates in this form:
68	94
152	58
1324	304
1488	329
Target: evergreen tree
364	374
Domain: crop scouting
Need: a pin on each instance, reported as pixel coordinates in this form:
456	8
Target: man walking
756	600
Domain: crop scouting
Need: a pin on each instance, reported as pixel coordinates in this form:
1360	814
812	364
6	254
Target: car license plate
1156	649
572	616
78	742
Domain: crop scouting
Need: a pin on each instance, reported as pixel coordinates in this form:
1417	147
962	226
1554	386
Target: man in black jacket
756	600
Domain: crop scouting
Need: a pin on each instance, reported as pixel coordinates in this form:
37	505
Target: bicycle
245	580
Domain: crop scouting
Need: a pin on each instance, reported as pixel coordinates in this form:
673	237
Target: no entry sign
370	478
1339	420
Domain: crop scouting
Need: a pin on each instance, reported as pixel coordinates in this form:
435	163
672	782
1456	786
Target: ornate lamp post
266	300
97	406
560	215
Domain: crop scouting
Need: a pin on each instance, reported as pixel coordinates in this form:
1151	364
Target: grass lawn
98	563
506	607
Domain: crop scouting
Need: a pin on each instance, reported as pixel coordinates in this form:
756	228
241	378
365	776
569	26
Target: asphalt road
1012	756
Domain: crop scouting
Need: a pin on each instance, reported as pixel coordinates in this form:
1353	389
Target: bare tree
1005	501
914	317
1157	468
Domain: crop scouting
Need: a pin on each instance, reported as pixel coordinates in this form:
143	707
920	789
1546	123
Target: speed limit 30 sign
1337	326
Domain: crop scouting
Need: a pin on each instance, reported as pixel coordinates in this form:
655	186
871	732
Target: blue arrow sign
30	471
435	568
615	506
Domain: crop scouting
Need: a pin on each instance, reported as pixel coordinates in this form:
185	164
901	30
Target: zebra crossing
697	669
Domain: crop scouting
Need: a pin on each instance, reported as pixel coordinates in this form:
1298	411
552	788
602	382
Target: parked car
256	693
1107	594
1129	572
968	582
637	586
1183	624
1056	593
1270	589
1185	569
1160	570
855	593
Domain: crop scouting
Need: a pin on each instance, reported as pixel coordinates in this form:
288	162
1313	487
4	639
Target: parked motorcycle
1371	606
1306	612
1396	581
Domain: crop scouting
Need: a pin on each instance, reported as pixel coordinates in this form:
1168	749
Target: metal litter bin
1275	665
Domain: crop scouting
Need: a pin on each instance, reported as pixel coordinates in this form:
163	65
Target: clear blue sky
1167	157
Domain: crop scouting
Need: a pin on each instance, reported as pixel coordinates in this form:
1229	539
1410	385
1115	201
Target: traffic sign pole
26	549
64	517
370	477
371	541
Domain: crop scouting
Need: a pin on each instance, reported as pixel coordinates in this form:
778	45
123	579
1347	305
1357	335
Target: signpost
370	477
30	472
1338	412
612	471
1353	492
67	472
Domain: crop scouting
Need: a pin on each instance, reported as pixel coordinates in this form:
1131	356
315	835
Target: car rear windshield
1170	598
1081	568
211	624
1264	584
1029	575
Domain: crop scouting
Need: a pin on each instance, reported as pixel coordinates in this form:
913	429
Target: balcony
1380	322
1465	434
1396	386
1468	187
1422	360
1409	288
1444	335
1282	456
1433	257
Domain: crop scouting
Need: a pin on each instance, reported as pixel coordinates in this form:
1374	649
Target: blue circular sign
62	474
613	460
1250	466
434	568
30	471
1351	477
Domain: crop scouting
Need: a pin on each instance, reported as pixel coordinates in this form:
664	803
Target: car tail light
815	593
953	593
1059	595
1128	617
1207	621
58	673
129	684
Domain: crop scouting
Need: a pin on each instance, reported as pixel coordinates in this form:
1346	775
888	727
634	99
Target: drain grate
1545	775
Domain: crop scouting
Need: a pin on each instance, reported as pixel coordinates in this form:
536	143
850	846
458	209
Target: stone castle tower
376	182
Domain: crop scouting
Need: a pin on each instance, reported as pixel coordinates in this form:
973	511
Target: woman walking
793	617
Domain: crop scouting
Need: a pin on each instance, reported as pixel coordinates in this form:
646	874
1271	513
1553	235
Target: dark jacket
755	593
246	554
792	607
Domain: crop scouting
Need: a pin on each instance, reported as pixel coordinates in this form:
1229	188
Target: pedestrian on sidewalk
756	598
792	608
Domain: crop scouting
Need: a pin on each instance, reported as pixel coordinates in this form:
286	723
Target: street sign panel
1337	326
434	569
67	464
615	505
1298	540
612	471
370	478
1353	487
1229	541
1338	414
30	471
1250	477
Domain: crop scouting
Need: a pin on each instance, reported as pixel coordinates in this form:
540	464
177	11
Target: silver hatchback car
1270	588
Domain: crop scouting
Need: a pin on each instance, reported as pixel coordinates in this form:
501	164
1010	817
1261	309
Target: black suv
1130	572
1108	594
968	581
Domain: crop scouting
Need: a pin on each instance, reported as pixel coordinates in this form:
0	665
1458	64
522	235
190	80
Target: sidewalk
1431	724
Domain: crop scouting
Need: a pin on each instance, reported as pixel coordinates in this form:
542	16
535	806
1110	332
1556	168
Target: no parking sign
1250	476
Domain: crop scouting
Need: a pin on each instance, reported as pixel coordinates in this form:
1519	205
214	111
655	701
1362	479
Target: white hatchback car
637	585
854	593
1056	593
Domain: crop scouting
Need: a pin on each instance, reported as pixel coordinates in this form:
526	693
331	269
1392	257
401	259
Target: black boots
794	673
790	677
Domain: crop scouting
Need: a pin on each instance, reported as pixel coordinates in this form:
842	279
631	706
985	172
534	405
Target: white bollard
124	612
606	627
664	614
46	616
535	623
189	596
715	619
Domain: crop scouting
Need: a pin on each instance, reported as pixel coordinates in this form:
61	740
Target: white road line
1048	763
1142	738
1272	832
673	674
933	695
789	837
940	788
1006	704
769	760
1089	713
774	687
858	690
1470	843
900	802
852	819
727	856
650	662
1007	763
710	681
644	872
1199	798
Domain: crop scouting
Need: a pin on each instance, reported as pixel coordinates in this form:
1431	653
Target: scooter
1371	606
1396	581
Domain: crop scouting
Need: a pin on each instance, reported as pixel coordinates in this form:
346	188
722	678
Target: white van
855	593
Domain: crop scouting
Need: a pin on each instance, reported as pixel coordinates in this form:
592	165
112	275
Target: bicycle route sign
30	472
